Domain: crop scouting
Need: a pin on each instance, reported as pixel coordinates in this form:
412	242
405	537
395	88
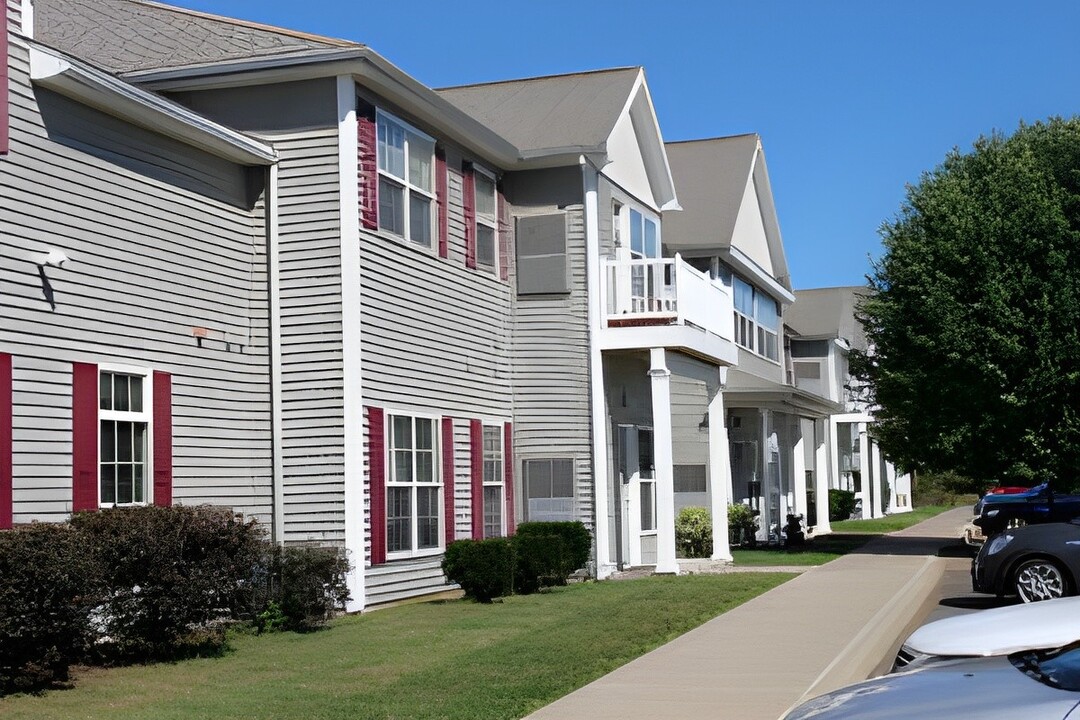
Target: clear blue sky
852	99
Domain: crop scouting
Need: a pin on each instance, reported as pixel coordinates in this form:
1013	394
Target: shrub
483	568
577	542
302	586
175	577
948	488
47	586
693	532
841	504
742	524
539	561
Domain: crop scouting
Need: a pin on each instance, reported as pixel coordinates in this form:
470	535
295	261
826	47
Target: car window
1058	668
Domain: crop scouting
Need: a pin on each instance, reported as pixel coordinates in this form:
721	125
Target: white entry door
637	485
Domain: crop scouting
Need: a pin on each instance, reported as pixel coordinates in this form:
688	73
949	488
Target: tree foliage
973	313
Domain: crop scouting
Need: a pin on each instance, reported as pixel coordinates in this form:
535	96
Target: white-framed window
124	422
757	320
644	236
413	488
487	208
406	158
549	489
494	482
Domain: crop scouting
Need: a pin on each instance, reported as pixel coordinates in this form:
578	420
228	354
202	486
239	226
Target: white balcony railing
666	291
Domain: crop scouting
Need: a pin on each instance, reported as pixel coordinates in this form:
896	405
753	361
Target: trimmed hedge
576	540
539	562
303	587
483	568
841	504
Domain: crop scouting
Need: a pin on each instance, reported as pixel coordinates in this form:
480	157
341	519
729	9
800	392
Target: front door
637	502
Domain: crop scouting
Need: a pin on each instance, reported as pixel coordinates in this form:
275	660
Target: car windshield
1058	668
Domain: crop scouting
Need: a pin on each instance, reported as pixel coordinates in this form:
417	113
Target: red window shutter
504	237
367	168
508	475
377	470
84	437
163	446
5	442
448	478
476	452
5	110
469	203
440	198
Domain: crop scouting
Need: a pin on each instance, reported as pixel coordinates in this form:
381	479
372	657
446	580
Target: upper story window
757	320
486	220
124	416
644	236
413	488
406	180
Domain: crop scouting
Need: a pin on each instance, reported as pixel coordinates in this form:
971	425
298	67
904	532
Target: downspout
273	291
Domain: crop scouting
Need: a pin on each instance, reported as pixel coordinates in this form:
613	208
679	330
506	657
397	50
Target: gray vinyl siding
313	434
551	345
149	261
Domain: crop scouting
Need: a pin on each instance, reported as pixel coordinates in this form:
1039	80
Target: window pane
398	514
402	428
538	478
645	453
136	393
108	441
108	484
123	442
485	245
492	471
562	478
652	248
391	148
105	391
648	515
124	495
420	219
391	207
120	393
425	439
427	517
485	196
138	482
420	155
403	466
765	312
492	439
637	240
492	512
744	297
425	466
139	442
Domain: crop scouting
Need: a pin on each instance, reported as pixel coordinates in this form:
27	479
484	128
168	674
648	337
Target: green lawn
454	659
816	552
888	524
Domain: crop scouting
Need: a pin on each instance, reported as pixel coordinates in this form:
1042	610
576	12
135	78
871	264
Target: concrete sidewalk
828	627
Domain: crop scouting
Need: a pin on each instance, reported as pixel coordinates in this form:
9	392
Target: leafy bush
742	524
841	504
48	584
693	532
948	488
301	587
483	568
577	542
539	561
175	577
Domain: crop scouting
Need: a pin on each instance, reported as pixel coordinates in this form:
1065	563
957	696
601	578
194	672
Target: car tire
1040	579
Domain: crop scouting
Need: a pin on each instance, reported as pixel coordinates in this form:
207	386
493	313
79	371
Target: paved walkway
830	626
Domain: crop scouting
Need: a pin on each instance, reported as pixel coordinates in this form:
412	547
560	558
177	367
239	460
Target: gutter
97	89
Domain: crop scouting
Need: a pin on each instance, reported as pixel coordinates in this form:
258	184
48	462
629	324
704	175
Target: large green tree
973	313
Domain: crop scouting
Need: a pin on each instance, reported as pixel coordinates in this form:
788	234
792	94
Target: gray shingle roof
710	179
547	113
128	35
828	312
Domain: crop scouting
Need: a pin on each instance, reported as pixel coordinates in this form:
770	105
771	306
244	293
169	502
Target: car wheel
1040	579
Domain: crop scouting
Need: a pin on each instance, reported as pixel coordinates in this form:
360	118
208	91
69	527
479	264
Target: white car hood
1000	631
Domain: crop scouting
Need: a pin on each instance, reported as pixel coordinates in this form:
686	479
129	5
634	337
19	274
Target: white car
999	631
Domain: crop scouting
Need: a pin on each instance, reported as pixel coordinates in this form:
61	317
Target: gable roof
828	313
130	35
568	113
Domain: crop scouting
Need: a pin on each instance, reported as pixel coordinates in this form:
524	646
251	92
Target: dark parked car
1036	562
1040	504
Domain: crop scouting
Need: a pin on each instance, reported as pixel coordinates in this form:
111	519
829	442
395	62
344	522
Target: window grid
413	487
493	481
486	219
756	321
406	160
123	436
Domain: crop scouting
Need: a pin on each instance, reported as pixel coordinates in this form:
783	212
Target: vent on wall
689	478
541	255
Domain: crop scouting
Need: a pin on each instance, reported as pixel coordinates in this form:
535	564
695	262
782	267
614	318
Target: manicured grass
816	552
454	659
890	523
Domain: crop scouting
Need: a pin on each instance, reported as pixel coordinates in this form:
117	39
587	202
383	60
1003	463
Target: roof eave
100	90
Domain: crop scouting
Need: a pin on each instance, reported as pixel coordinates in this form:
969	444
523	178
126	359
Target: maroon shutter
5	442
504	237
163	460
5	116
469	203
508	476
476	453
377	470
367	168
448	477
84	437
440	198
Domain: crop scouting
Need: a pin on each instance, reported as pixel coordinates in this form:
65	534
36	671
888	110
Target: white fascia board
639	106
754	272
769	217
92	87
368	68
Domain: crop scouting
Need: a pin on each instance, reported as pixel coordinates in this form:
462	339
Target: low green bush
302	587
483	568
742	524
48	585
577	542
539	562
841	504
693	532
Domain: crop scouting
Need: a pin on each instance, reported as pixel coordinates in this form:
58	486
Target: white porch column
864	472
821	476
880	485
663	458
798	470
890	477
719	472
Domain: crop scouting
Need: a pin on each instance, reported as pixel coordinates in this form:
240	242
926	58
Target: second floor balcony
666	302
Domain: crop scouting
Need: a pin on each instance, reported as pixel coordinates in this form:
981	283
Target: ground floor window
413	488
124	417
549	489
493	481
